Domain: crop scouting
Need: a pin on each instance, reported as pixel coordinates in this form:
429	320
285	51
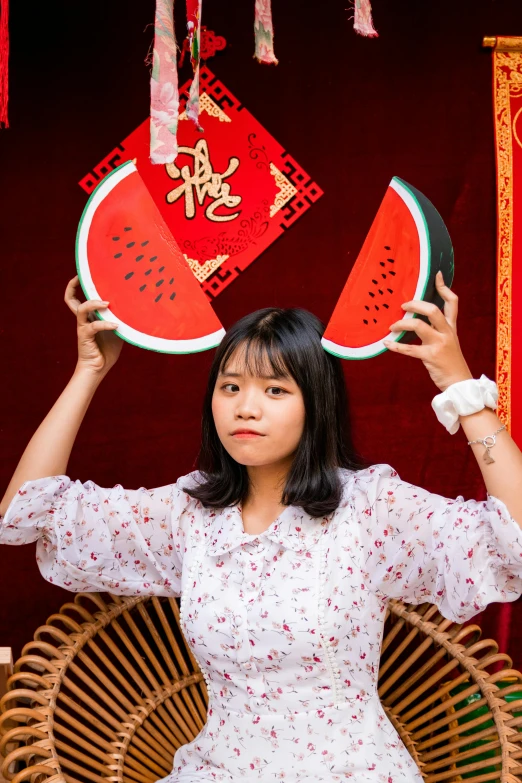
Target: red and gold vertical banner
507	107
507	98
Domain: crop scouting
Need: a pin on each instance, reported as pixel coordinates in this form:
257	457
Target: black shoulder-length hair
288	342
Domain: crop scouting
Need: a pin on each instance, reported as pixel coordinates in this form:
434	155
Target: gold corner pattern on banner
286	190
207	104
507	83
202	271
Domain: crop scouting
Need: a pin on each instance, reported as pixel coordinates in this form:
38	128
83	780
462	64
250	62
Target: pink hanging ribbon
164	97
362	19
194	36
264	31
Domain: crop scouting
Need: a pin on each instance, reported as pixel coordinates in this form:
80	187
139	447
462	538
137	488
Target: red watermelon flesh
406	245
127	255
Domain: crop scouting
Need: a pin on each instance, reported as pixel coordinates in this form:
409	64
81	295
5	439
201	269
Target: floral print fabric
164	96
286	625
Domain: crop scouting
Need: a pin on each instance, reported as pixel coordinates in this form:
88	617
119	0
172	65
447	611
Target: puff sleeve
127	542
418	546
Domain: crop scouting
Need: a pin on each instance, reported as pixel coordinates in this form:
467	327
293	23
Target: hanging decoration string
164	90
264	33
4	61
194	45
164	95
362	19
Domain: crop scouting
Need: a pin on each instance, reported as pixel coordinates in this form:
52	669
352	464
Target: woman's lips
247	435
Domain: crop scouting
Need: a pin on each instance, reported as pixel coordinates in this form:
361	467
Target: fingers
451	300
423	330
102	326
86	309
437	319
416	351
70	298
442	322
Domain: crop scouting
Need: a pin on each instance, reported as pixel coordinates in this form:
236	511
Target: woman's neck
263	504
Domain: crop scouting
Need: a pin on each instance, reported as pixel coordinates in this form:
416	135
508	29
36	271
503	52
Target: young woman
284	550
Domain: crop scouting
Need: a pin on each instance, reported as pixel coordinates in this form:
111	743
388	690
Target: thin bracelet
489	441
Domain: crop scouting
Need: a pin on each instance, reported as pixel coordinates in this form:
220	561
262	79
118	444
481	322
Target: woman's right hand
98	347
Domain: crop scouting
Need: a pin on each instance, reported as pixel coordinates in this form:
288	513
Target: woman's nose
248	407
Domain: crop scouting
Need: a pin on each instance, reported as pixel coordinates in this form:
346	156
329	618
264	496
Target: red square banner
231	192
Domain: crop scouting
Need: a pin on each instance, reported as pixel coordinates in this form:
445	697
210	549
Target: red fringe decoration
4	61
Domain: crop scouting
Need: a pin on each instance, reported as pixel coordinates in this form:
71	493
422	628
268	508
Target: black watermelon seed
131	244
115	239
138	258
118	255
148	271
371	293
127	228
389	289
386	306
171	281
376	307
374	281
383	275
128	277
366	307
153	258
386	247
382	263
145	243
381	293
391	260
161	269
158	298
392	272
172	295
374	320
159	282
365	321
143	287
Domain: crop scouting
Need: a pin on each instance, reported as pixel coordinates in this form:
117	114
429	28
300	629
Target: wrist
464	399
464	376
91	378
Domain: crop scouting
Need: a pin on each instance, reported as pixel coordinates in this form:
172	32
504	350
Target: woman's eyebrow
228	374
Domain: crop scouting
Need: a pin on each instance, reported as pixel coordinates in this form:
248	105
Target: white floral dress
286	625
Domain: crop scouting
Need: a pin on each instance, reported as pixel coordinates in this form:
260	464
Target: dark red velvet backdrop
416	102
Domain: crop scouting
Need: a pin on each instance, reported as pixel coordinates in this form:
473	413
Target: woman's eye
280	392
227	386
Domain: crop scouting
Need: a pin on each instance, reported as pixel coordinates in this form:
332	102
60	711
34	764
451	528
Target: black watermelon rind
441	255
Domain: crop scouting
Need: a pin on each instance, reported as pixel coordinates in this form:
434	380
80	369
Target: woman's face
272	408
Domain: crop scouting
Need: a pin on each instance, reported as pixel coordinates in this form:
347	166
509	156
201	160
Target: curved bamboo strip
108	690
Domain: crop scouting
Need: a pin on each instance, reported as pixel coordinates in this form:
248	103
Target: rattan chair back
108	690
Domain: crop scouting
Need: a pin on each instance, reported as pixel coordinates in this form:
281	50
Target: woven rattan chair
108	690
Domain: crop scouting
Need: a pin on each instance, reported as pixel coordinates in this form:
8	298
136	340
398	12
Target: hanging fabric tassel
194	43
4	61
264	31
362	19
164	97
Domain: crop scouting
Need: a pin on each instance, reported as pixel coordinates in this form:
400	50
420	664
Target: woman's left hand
440	350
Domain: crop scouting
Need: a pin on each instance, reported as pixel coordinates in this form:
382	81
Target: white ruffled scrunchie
464	398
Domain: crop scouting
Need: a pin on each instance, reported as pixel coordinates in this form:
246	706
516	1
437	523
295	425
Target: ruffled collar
293	529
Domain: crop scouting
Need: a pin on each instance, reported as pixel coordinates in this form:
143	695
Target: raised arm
48	451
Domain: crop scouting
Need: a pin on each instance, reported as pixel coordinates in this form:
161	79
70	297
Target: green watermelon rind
195	345
334	348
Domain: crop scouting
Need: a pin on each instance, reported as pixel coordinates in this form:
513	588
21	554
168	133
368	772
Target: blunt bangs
279	343
257	357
